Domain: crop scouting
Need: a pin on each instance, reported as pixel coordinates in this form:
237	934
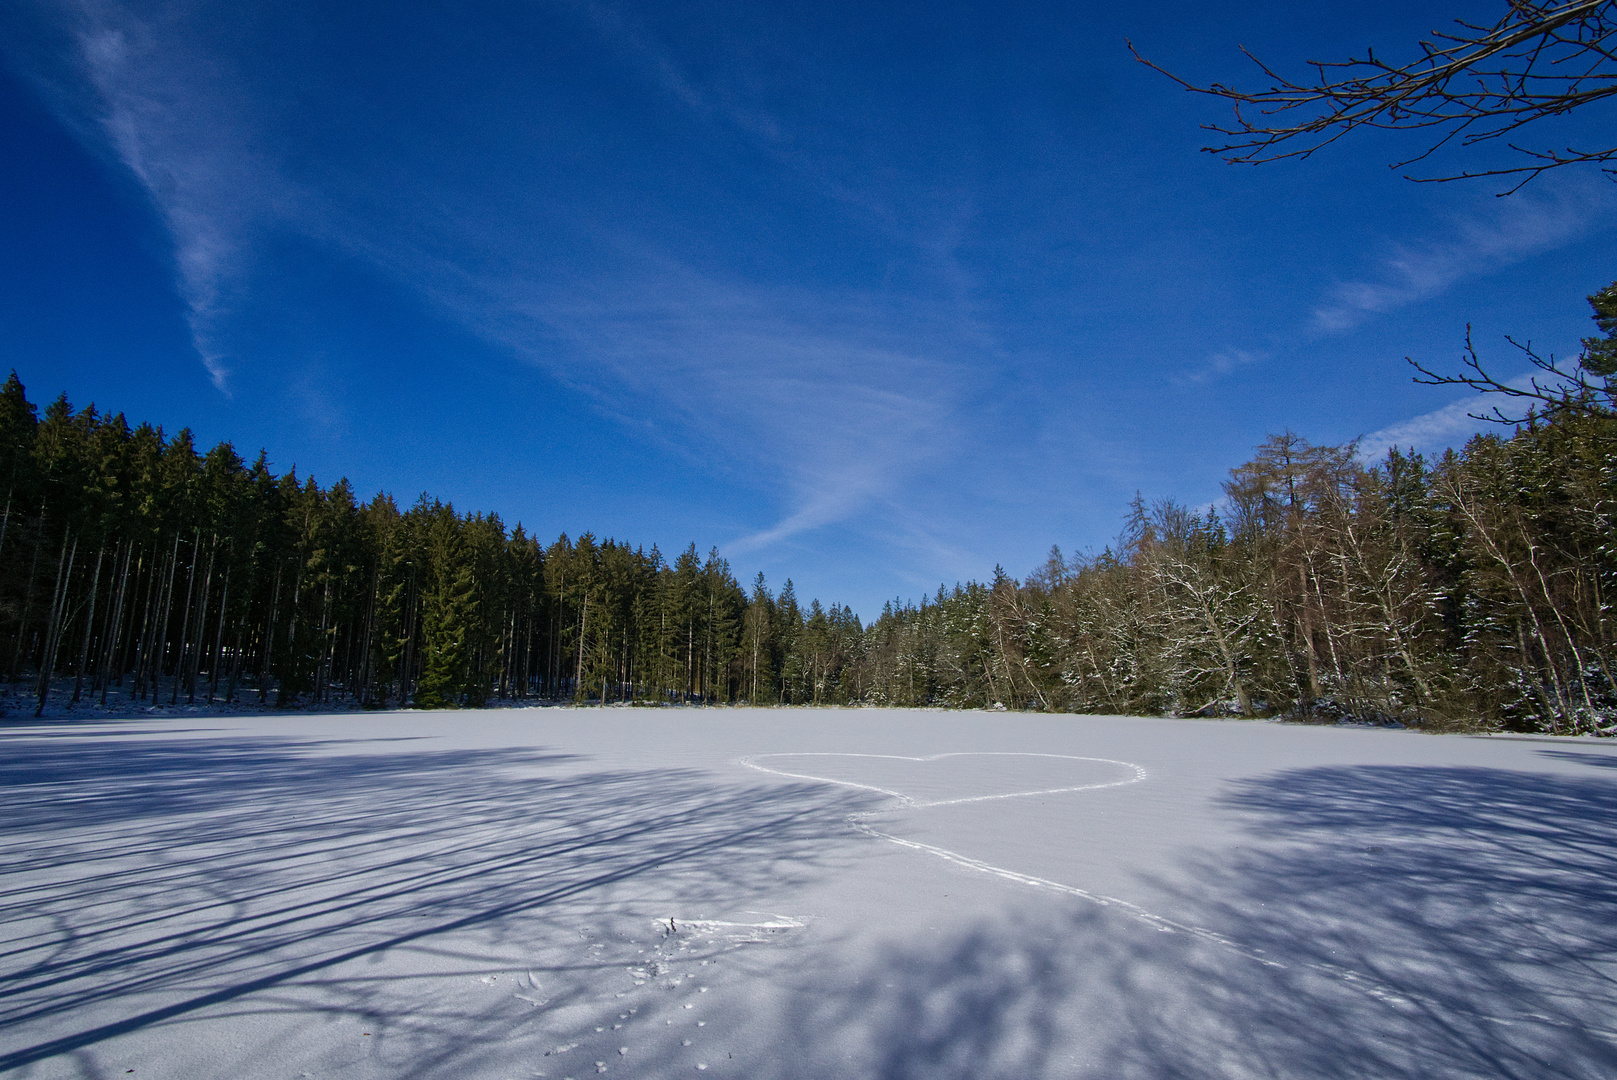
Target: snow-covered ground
801	893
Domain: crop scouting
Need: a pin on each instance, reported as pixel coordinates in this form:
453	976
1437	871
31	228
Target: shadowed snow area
801	893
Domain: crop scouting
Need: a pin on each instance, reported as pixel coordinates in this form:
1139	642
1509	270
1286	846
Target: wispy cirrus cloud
835	403
1430	432
629	35
162	112
1525	225
1449	426
827	397
1222	363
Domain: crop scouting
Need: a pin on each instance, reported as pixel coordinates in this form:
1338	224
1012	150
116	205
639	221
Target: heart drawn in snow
951	779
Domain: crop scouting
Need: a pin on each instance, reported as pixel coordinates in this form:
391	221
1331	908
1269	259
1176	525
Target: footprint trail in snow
1131	773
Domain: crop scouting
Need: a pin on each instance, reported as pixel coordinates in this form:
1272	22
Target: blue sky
874	296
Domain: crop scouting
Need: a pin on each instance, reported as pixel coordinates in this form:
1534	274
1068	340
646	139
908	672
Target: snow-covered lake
801	893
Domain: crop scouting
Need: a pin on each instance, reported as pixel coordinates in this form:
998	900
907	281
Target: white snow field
801	893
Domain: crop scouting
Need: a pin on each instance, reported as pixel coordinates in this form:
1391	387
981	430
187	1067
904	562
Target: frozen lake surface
801	893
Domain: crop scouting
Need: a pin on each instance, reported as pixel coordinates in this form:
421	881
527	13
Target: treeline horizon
1470	591
136	564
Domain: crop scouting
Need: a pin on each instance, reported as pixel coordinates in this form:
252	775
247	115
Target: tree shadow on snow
1594	760
145	884
1415	922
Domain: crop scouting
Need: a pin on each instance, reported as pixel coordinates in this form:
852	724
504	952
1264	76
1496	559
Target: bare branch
1474	85
1572	390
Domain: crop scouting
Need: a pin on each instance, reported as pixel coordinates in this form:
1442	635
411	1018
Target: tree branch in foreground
1572	391
1473	85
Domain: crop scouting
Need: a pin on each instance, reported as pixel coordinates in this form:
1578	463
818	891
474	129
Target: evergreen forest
1474	590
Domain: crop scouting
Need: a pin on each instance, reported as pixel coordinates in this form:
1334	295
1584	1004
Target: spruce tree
449	609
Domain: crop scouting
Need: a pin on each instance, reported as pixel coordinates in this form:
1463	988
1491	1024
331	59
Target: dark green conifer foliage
449	610
1600	353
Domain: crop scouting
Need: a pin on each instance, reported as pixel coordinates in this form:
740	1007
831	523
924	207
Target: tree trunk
219	639
195	668
109	659
578	679
185	619
267	643
47	662
28	595
89	627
